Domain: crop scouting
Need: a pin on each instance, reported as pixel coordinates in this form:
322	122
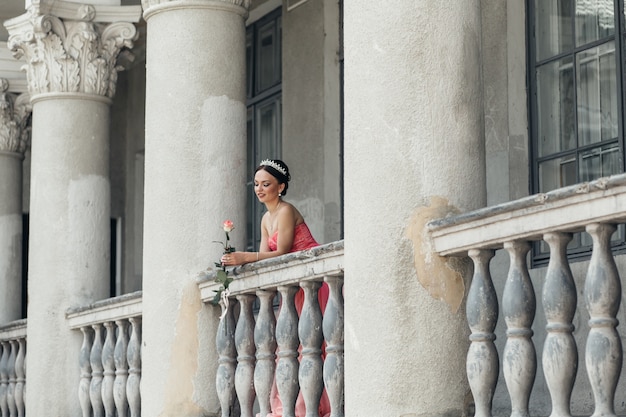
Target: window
576	78
263	87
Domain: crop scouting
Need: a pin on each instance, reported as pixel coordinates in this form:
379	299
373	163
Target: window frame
257	97
583	251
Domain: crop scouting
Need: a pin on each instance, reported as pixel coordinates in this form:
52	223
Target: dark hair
266	165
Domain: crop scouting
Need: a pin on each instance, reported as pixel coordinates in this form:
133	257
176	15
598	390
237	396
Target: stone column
71	69
194	179
414	151
14	112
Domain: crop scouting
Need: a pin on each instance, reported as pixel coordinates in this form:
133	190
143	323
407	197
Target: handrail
566	209
324	260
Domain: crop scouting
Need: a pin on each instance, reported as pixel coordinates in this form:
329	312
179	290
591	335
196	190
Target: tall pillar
413	151
14	112
71	69
195	167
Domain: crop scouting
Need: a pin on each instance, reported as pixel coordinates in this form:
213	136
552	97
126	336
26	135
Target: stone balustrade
110	356
258	349
13	369
595	207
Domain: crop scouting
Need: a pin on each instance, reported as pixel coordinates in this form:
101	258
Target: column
14	135
194	180
71	69
413	151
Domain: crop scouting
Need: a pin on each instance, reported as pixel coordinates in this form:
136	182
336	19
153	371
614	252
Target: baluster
133	355
287	340
311	365
12	380
332	324
85	371
108	363
482	316
4	378
95	359
20	373
24	390
560	356
265	342
244	342
121	368
518	307
227	360
603	355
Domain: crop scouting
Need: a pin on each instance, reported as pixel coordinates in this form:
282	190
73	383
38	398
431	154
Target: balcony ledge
291	268
566	209
13	330
122	307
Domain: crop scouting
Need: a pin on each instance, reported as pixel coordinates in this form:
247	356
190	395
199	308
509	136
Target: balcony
110	356
595	207
301	353
13	369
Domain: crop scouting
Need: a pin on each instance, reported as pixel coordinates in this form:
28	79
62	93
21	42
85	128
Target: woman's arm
286	228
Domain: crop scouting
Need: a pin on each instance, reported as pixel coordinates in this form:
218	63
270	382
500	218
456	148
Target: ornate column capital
15	111
236	6
71	48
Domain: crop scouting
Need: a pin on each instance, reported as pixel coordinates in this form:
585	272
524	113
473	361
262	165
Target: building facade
444	154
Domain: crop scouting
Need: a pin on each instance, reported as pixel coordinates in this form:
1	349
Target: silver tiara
274	165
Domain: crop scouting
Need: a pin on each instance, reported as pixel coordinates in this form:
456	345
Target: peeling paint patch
441	277
184	362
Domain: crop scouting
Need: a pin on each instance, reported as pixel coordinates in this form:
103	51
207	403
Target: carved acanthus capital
64	55
15	112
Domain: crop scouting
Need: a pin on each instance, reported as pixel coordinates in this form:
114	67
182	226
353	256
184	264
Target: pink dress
302	239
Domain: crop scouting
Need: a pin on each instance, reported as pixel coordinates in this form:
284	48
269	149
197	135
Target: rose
222	277
228	226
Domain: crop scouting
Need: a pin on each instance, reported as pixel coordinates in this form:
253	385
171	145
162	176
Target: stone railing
595	207
110	356
249	341
13	369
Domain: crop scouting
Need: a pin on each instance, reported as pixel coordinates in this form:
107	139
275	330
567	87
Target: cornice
65	55
152	7
85	12
14	115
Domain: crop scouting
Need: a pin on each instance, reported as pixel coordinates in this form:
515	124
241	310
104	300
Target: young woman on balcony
283	230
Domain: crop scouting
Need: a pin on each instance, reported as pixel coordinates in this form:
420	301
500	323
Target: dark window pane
555	107
249	65
597	94
557	173
553	26
251	228
268	128
599	162
595	20
268	69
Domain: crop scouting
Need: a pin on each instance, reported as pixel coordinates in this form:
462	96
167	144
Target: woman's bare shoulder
293	211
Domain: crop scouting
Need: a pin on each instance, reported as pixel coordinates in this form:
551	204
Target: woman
283	230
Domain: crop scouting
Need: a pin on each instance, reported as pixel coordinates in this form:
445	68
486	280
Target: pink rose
228	226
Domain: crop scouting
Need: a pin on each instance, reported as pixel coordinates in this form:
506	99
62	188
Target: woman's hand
233	258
